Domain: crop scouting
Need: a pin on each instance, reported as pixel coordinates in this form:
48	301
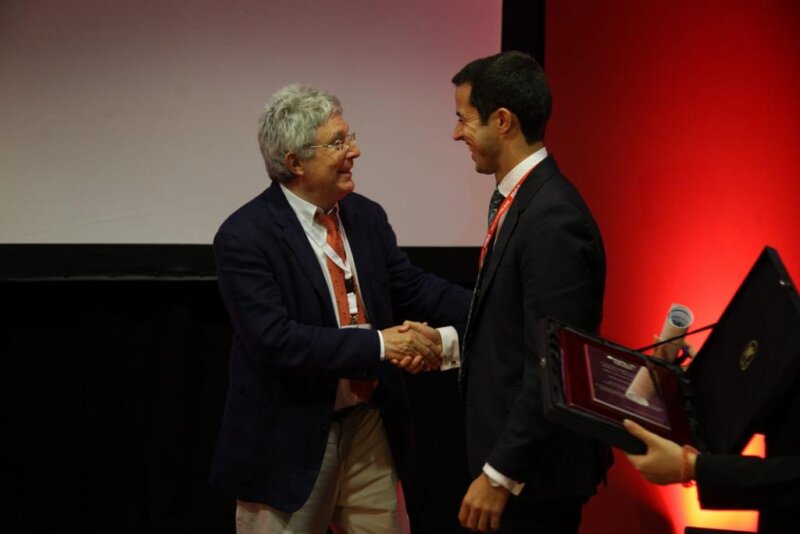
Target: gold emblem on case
748	355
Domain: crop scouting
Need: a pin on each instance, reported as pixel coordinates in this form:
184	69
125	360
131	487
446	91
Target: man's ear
293	163
505	119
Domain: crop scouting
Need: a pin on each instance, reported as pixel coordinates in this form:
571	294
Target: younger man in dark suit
316	428
543	257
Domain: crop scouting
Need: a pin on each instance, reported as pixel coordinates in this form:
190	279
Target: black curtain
114	374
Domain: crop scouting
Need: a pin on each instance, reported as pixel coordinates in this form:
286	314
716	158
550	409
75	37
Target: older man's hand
417	364
410	350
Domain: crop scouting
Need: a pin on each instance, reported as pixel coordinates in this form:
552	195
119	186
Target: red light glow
678	121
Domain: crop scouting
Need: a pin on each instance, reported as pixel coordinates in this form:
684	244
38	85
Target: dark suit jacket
771	485
288	353
547	261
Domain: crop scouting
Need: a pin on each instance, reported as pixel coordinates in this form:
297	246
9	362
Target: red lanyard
500	212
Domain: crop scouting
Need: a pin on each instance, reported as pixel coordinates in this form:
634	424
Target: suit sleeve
748	483
254	298
558	267
418	295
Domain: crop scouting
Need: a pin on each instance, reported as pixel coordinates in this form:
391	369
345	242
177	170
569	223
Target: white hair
289	124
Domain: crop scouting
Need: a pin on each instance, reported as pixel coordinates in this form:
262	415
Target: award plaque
611	378
741	376
591	385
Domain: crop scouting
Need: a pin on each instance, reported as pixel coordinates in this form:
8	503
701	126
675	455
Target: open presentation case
740	375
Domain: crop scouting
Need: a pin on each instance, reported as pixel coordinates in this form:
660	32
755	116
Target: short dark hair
511	80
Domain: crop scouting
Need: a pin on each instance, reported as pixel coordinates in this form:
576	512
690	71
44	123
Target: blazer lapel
357	237
499	246
294	236
539	175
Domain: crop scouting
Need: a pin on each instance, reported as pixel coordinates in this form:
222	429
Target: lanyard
320	237
497	216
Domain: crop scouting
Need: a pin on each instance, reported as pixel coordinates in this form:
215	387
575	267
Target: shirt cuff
496	478
451	355
383	348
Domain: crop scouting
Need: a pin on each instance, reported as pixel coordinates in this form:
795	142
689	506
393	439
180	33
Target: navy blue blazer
288	352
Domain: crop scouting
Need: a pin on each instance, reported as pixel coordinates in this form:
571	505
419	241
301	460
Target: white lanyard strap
320	237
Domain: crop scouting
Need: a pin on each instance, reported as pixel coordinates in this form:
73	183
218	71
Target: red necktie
362	388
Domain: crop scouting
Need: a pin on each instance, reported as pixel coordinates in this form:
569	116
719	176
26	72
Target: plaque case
738	378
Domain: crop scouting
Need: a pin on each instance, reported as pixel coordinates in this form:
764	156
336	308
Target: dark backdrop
114	373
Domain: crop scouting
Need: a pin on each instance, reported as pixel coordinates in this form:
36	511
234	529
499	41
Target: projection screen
135	121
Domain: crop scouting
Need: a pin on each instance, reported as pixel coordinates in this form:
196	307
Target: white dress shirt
306	212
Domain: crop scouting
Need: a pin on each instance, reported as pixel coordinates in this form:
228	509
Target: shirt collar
517	173
304	209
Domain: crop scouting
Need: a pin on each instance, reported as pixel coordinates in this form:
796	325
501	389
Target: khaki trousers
357	490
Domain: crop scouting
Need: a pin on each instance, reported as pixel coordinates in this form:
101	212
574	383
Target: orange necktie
362	388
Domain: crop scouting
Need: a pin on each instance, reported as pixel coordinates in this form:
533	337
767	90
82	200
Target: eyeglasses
340	145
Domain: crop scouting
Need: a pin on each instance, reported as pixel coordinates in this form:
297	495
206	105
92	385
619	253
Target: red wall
679	121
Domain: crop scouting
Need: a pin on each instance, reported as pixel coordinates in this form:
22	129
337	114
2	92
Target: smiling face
326	177
480	138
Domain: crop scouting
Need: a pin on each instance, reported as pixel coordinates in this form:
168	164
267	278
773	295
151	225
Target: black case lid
750	358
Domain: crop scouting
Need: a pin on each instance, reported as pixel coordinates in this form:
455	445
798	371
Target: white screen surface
135	121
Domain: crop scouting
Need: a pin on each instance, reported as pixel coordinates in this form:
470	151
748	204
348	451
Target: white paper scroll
679	319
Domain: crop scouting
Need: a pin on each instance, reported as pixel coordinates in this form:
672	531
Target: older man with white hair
316	431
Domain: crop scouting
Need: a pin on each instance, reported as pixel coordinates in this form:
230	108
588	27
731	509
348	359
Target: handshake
413	347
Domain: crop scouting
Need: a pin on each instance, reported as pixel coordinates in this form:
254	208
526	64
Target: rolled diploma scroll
679	319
